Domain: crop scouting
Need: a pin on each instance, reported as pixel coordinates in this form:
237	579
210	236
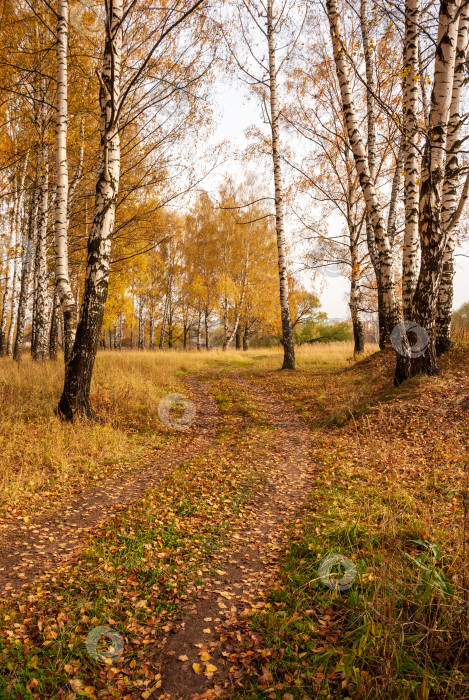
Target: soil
28	551
215	619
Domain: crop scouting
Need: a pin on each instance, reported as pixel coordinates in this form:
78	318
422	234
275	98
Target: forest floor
199	555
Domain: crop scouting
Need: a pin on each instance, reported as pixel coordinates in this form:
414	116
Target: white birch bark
62	278
432	237
370	82
410	252
40	348
361	162
14	296
392	213
75	397
141	324
16	267
450	190
287	332
26	276
383	321
229	336
423	86
199	325
54	327
9	271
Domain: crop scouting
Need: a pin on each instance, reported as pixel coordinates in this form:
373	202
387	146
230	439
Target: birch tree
39	341
452	200
26	274
383	322
62	204
432	235
373	207
12	268
269	27
410	262
287	331
75	397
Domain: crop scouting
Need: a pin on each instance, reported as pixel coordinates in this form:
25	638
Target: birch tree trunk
165	310
410	261
383	322
240	304
14	296
357	325
287	332
358	335
394	194
361	163
120	322
75	400
8	274
54	328
238	337
245	337
163	324
207	335
423	89
370	83
62	279
141	326
449	202
26	276
40	347
16	268
225	323
445	299
199	323
432	236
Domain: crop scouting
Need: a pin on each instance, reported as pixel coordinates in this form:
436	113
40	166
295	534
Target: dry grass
390	493
42	457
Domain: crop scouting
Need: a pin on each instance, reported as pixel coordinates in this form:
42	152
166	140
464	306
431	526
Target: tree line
105	112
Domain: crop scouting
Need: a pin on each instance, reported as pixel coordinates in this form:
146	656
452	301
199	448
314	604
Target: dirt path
205	635
27	551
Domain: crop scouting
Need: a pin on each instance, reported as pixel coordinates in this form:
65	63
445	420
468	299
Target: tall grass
42	457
